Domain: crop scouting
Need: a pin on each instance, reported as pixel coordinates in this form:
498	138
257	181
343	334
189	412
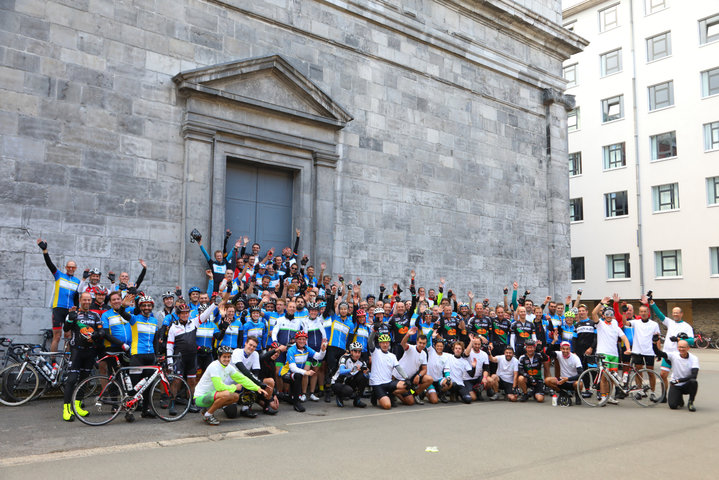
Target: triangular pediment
270	83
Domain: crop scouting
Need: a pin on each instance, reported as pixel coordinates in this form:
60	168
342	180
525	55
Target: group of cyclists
271	327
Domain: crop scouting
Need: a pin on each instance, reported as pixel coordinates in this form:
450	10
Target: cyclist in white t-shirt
684	369
384	363
507	374
567	369
437	368
414	362
608	333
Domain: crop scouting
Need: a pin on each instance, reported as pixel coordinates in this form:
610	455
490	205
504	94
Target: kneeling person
384	363
219	385
351	378
507	376
414	361
530	372
567	367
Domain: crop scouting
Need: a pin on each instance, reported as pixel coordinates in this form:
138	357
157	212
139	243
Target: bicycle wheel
100	397
701	342
177	389
18	384
589	381
641	389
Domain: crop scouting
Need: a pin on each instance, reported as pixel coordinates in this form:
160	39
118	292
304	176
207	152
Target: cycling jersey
361	335
400	325
449	328
285	329
480	325
426	329
233	336
143	331
567	333
206	330
520	333
218	378
348	368
297	358
315	331
182	338
501	329
531	367
384	329
585	335
118	327
339	331
256	329
302	315
64	290
83	324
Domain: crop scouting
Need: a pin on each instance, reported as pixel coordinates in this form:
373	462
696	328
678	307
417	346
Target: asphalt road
482	440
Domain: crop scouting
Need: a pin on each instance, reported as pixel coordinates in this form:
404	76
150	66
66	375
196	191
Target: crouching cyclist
220	384
384	363
298	365
567	368
351	378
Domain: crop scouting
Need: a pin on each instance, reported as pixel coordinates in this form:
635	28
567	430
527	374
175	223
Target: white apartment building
644	151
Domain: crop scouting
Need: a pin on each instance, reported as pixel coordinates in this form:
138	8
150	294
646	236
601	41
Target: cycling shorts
58	317
315	363
647	360
506	387
612	362
384	390
186	365
281	359
206	400
666	366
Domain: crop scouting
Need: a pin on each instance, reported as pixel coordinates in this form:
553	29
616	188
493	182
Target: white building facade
644	151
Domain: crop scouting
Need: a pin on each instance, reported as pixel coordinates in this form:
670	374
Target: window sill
619	279
611	74
649	62
579	281
714	149
614	168
608	122
714	275
575	176
678	277
609	29
575	130
713	205
574	222
661	109
655	212
708	43
711	96
617	217
654	13
658	160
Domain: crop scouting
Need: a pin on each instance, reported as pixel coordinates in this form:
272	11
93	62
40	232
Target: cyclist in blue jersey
194	295
283	332
363	325
255	327
222	261
116	325
351	378
313	325
297	366
567	331
338	336
206	330
64	294
231	331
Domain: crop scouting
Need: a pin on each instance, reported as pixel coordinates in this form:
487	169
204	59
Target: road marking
88	452
382	414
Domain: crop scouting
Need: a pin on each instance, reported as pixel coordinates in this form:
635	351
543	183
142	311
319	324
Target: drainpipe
638	178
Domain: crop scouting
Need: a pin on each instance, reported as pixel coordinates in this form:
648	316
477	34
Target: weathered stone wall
444	167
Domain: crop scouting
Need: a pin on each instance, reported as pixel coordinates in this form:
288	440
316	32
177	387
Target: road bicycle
103	397
644	385
30	378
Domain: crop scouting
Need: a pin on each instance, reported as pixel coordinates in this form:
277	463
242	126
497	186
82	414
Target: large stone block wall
444	167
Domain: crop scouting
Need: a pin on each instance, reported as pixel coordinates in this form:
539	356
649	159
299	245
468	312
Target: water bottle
128	382
554	400
625	378
140	384
46	368
55	368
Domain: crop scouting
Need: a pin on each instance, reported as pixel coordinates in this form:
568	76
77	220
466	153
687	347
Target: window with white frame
612	108
668	263
609	18
711	136
577	268
665	197
610	62
653	6
714	260
710	82
659	46
573	120
709	29
575	164
576	209
661	95
570	75
616	204
713	191
618	266
614	156
664	145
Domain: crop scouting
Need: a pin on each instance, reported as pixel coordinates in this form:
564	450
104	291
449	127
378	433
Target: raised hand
515	285
297	231
208	272
470	295
142	262
323	266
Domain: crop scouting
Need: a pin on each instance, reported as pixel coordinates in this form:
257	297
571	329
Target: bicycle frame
616	382
122	371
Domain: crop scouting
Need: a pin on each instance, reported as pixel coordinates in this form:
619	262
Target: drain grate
258	433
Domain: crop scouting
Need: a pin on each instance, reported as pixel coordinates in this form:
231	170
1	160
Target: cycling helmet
274	345
94	271
223	349
361	313
202	307
427	312
193	290
300	334
608	311
384	338
252	296
183	307
378	311
356	346
313	306
146	299
371	295
463	304
570	314
530	343
255	309
167	294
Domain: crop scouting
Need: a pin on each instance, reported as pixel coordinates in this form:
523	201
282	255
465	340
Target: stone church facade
425	134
